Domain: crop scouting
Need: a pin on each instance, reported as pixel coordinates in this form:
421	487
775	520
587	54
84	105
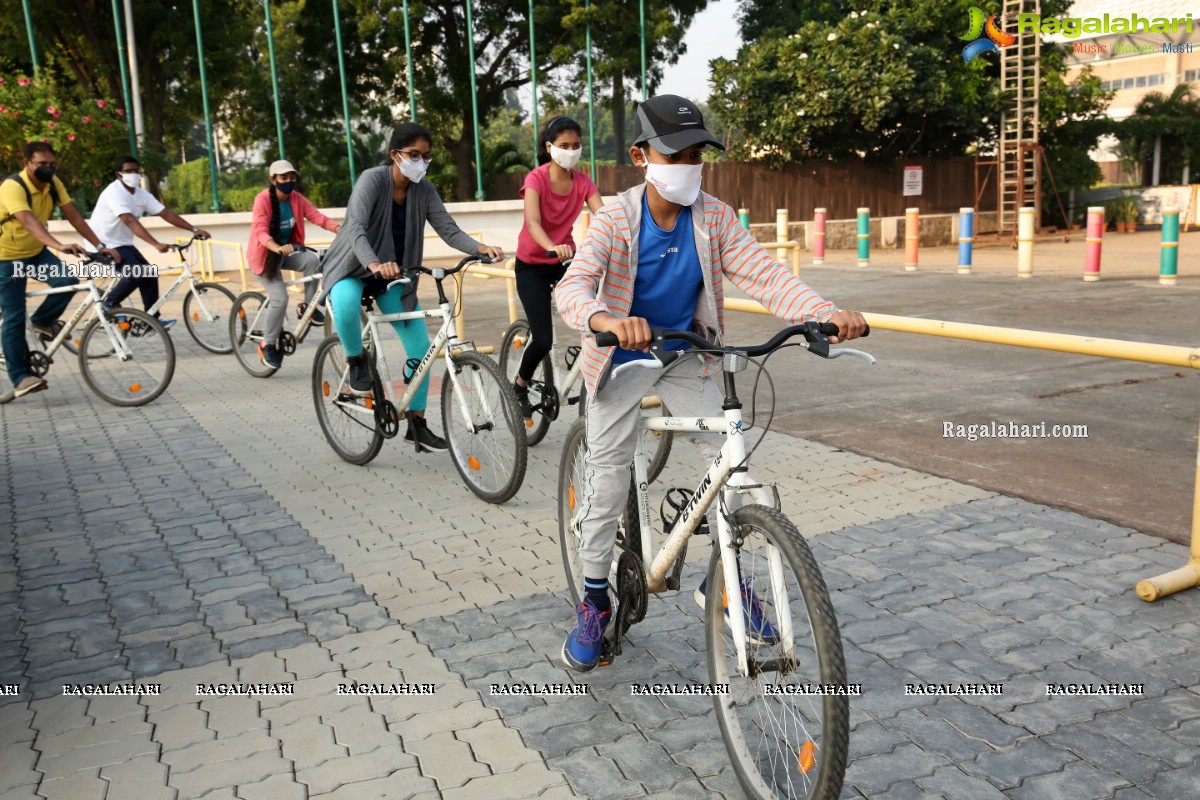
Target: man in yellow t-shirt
26	203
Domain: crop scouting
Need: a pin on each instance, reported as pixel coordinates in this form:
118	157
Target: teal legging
346	298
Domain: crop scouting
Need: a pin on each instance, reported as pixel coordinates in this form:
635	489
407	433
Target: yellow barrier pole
1025	242
1187	576
511	286
242	265
781	228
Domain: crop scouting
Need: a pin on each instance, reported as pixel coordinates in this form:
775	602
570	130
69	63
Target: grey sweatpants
612	417
304	261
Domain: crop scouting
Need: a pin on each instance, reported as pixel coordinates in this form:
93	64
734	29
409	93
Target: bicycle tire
245	341
570	482
488	449
756	726
349	426
516	338
216	302
138	380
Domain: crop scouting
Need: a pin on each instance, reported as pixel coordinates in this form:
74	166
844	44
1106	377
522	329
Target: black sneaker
360	373
426	440
269	355
523	400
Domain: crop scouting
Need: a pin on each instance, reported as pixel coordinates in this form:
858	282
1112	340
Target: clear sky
713	34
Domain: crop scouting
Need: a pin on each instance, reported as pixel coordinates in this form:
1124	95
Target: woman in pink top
554	195
277	242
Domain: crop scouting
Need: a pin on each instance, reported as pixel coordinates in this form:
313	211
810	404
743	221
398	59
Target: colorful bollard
781	233
819	236
864	237
1170	247
912	238
966	239
744	217
1095	236
1025	242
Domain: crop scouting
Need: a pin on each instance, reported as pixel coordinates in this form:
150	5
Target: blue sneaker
166	323
581	650
758	629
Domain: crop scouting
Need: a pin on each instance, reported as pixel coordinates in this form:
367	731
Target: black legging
534	284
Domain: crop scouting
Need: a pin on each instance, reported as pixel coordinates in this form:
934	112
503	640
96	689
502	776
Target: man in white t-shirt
115	221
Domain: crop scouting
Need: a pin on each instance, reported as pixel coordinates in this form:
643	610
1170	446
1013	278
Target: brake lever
850	351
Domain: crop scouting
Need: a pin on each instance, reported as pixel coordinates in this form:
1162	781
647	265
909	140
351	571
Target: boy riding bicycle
658	256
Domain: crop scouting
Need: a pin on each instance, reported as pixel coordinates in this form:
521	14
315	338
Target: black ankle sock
596	590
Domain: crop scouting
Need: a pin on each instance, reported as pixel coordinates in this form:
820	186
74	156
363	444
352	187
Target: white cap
281	167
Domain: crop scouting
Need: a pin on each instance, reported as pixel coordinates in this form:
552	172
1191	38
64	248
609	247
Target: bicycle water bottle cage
572	354
678	498
410	369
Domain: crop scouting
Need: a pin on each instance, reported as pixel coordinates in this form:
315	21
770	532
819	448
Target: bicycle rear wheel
206	313
516	339
346	419
138	375
487	443
246	321
782	744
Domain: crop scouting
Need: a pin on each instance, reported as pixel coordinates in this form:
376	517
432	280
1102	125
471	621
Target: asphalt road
1137	464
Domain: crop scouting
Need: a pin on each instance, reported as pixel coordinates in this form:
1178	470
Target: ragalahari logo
985	35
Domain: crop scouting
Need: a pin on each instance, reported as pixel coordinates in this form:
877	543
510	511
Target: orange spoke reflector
808	757
325	388
77	342
195	316
370	402
123	326
242	313
528	423
474	463
571	496
137	387
518	343
724	598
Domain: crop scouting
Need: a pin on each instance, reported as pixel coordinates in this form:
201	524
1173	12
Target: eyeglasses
416	155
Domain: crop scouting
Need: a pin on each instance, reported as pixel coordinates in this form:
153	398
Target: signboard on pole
912	181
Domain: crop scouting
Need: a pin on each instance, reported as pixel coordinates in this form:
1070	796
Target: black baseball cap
669	123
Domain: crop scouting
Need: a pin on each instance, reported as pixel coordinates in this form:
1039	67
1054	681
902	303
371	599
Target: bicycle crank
631	604
39	363
287	343
387	419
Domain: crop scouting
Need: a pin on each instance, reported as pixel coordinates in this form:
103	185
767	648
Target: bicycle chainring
387	419
287	343
39	363
550	404
631	589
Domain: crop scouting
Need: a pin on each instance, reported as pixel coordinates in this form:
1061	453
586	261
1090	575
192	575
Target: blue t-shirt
287	221
668	280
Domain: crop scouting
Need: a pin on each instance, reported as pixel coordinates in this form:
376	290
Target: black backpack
16	176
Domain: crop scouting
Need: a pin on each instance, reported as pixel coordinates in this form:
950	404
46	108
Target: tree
1169	124
758	19
616	42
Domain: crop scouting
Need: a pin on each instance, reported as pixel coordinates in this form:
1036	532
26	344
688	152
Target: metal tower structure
1019	157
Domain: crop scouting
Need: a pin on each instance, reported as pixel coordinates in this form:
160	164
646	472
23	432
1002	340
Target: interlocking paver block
253	768
529	780
1075	782
277	787
401	783
85	785
498	746
143	778
380	763
97	755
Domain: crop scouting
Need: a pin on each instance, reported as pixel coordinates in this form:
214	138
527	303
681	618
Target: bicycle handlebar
441	272
815	333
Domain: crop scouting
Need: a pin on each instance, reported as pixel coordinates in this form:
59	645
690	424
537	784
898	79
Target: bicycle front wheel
246	321
129	362
783	743
346	419
516	339
483	427
206	313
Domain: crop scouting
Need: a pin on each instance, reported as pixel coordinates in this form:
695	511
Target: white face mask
131	179
413	170
677	183
567	159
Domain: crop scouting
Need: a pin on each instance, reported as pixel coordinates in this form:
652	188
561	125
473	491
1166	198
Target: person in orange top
277	242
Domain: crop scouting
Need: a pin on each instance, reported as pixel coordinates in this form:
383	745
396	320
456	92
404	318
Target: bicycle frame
305	319
93	299
187	275
726	476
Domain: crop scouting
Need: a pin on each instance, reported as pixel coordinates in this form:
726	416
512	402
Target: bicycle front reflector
325	388
807	757
137	387
474	463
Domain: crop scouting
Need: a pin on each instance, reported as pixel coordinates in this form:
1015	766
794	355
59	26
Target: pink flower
107	125
70	137
120	112
52	111
3	109
53	124
101	104
95	182
22	81
86	119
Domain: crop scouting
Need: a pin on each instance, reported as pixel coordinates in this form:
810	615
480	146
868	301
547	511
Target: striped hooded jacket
601	277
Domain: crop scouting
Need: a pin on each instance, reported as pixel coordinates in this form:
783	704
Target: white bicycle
206	306
479	410
554	385
769	641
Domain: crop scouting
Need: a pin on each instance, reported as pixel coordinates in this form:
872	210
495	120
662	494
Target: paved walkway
212	538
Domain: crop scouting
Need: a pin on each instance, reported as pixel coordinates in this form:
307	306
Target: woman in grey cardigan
384	230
